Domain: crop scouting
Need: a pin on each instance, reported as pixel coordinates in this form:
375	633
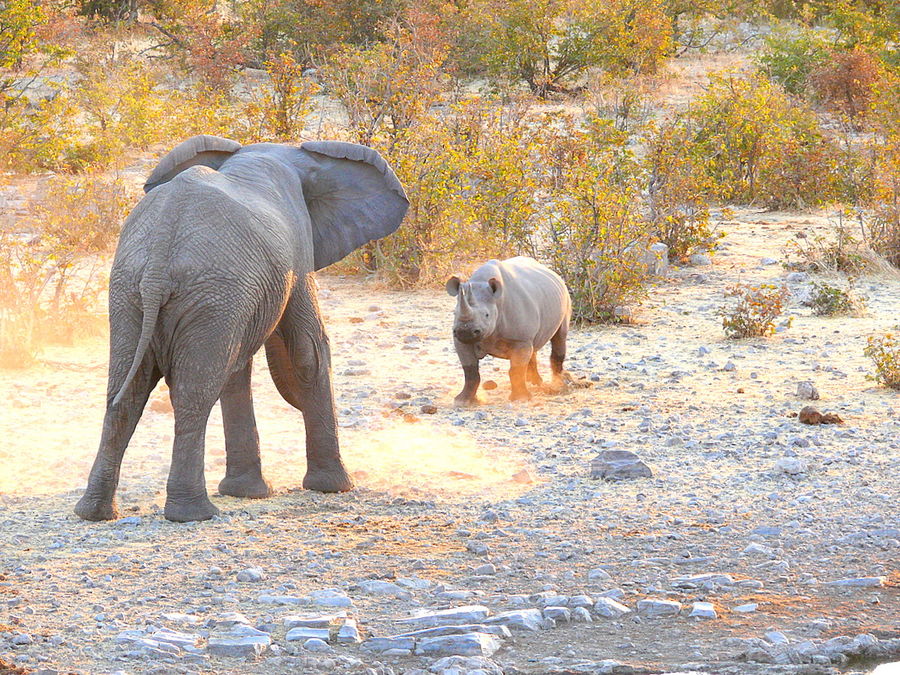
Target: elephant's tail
151	301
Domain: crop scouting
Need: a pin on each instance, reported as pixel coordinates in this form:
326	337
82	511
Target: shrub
595	235
548	45
828	300
677	211
755	312
386	86
277	110
840	251
51	265
788	57
845	83
755	144
884	351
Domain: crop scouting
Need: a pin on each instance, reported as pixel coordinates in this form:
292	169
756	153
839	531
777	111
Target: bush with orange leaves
845	82
755	312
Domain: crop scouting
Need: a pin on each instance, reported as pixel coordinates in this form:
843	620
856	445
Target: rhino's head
475	316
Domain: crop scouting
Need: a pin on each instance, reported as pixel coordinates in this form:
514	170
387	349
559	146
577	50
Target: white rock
317	645
807	390
306	633
522	619
704	610
558	614
747	608
376	587
609	608
237	645
330	597
859	582
658	608
598	574
581	615
251	575
700	260
455	615
792	466
384	644
312	620
467	644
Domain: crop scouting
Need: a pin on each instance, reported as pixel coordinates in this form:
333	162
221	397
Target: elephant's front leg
243	471
300	362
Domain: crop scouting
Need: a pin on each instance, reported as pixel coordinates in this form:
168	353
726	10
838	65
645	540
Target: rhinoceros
510	309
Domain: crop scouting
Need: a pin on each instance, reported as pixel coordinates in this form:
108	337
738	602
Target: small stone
704	610
609	608
797	277
313	621
488	385
700	260
477	547
384	644
21	639
330	597
377	587
808	391
306	633
747	608
792	466
231	619
317	645
658	608
768	261
558	614
251	575
598	574
428	409
619	465
485	570
581	615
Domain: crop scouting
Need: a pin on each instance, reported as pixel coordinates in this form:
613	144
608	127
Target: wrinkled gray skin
211	265
510	309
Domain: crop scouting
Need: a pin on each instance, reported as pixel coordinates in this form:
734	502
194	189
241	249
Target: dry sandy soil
432	488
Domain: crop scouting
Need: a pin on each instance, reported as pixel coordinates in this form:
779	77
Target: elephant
213	263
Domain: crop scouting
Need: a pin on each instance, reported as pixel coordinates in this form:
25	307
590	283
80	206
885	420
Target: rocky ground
757	543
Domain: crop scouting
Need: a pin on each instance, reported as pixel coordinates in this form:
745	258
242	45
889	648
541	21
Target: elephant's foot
95	508
331	480
249	485
189	511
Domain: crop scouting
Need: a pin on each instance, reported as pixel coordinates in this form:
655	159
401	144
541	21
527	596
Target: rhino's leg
469	361
533	376
519	356
558	352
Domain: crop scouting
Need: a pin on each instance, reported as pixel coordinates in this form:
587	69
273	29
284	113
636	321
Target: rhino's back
535	299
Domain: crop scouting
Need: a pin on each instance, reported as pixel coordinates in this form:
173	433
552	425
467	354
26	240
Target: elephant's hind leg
243	472
300	362
98	501
196	381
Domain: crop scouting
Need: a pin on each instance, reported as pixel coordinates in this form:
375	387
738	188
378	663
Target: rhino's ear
453	284
211	151
496	287
352	195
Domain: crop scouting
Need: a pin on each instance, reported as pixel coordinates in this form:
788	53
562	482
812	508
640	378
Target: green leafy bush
828	300
756	145
789	57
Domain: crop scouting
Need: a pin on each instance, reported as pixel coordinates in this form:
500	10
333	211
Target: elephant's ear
352	195
211	151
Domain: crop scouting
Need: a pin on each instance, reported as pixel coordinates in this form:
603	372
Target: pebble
619	465
807	390
700	260
859	582
251	575
598	574
792	466
317	645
